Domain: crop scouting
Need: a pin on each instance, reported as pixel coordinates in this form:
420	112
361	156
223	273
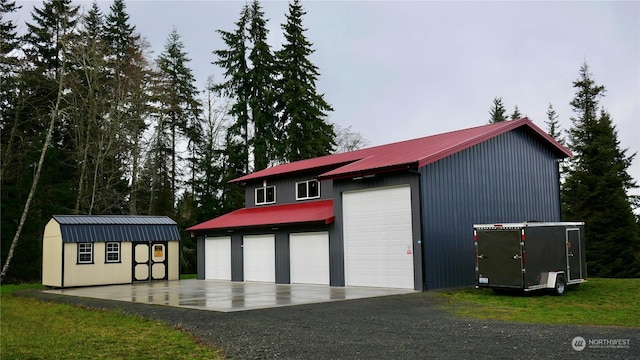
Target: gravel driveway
412	326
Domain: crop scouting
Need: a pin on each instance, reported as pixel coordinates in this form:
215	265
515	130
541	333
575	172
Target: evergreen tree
37	152
553	125
129	84
516	113
178	102
88	107
497	113
210	157
597	185
237	86
303	110
262	99
9	81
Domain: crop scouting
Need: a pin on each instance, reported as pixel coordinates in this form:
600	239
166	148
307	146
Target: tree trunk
36	177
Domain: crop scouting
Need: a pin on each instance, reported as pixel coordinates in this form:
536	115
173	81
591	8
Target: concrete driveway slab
226	296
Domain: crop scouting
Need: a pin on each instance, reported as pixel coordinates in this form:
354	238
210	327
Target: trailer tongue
530	256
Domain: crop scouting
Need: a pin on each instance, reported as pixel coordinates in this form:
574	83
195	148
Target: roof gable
411	153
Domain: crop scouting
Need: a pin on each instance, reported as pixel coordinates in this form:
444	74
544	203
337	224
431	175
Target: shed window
113	252
85	253
265	195
309	189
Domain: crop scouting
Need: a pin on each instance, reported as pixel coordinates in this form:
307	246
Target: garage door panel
377	235
259	258
309	258
217	258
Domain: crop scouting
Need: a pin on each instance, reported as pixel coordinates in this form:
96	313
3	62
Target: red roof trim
345	174
320	211
422	151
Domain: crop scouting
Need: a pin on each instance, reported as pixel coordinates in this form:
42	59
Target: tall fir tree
210	156
516	114
597	184
37	128
179	104
553	125
303	110
129	84
498	112
262	101
237	86
97	178
10	66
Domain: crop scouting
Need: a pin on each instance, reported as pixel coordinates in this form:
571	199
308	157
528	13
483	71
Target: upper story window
309	189
265	195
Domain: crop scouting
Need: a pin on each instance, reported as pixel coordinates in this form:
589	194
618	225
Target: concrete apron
226	296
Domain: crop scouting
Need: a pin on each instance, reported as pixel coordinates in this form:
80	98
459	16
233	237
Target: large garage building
399	215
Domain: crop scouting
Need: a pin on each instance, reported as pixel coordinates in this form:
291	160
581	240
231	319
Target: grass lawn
596	302
32	329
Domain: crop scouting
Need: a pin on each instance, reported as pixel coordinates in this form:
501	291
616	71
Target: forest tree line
121	132
93	124
595	185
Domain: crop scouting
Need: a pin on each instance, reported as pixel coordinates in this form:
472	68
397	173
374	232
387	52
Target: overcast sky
400	70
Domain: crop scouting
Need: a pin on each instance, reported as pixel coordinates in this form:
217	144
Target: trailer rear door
500	258
574	254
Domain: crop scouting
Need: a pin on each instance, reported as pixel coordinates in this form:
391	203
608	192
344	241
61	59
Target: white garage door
217	262
309	258
378	246
259	258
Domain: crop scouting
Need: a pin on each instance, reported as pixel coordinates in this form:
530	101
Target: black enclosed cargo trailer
530	256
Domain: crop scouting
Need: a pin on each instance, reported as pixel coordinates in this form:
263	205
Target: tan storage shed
80	250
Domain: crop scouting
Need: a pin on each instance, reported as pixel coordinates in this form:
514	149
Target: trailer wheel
561	286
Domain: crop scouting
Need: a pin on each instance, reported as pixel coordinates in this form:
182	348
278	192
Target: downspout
558	162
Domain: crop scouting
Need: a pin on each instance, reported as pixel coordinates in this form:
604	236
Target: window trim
298	197
107	252
85	252
264	188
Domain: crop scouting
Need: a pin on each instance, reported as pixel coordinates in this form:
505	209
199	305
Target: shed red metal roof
305	212
411	153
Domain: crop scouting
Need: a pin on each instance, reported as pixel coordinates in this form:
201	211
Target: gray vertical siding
237	259
283	267
510	178
200	258
286	190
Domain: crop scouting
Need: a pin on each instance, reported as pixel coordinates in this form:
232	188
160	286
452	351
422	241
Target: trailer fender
551	278
559	283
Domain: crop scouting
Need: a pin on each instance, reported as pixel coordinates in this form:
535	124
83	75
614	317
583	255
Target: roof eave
326	221
369	172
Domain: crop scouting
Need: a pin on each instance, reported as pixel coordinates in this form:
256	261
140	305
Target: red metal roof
411	153
304	212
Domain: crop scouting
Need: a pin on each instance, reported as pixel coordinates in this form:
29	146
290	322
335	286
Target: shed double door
150	261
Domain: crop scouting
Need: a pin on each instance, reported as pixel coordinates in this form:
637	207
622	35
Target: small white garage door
259	258
378	247
309	258
217	262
